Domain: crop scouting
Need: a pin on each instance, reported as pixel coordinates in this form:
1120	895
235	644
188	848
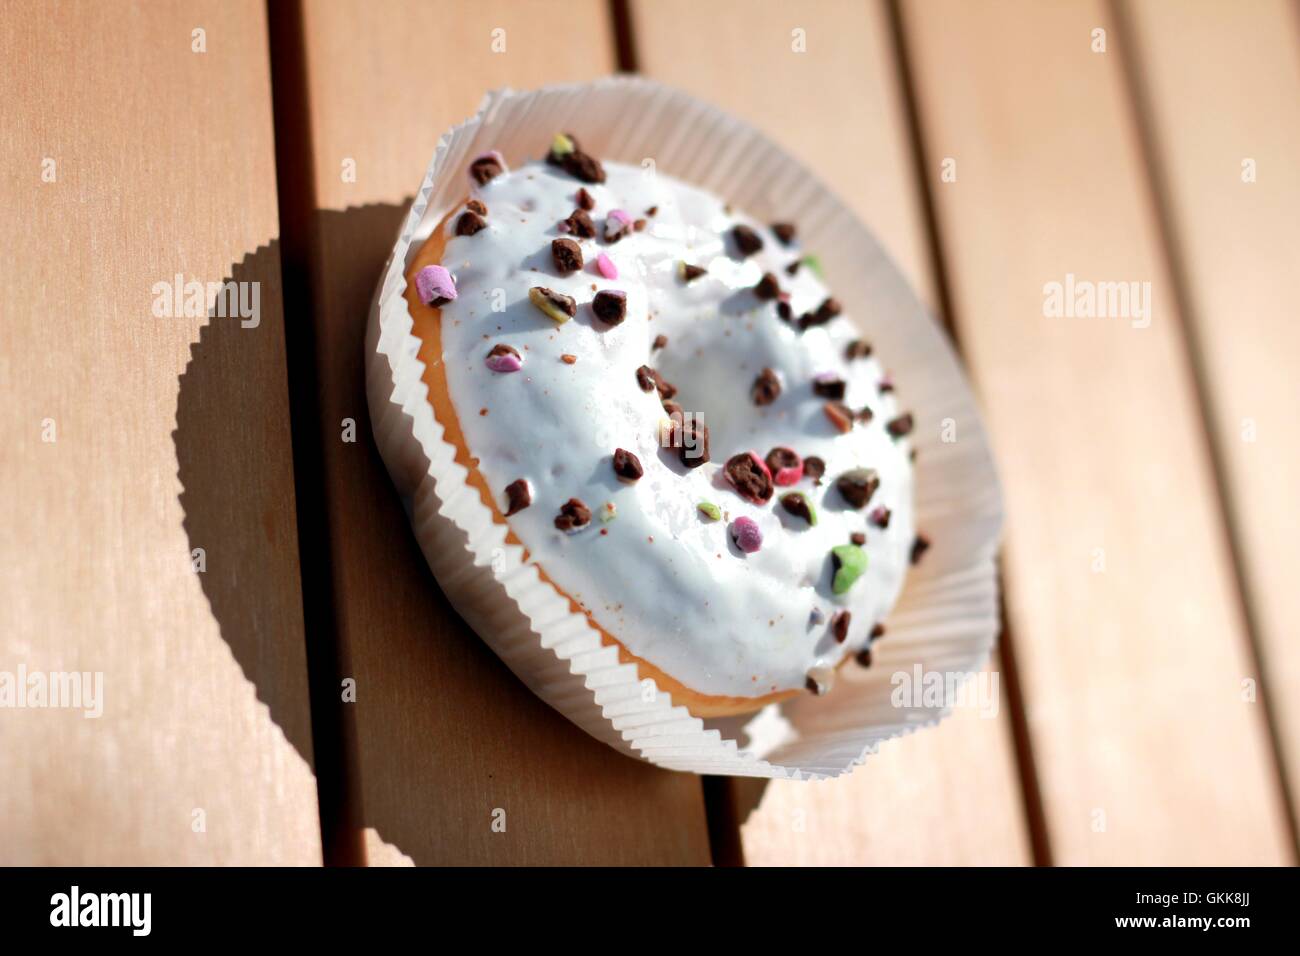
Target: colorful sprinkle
504	358
879	517
608	512
605	266
559	308
617	224
839	415
747	535
561	146
815	264
710	510
785	465
850	563
797	504
435	286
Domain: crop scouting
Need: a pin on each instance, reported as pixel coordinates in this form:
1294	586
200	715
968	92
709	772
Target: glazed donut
672	415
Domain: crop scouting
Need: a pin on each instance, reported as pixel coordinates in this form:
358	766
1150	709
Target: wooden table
186	511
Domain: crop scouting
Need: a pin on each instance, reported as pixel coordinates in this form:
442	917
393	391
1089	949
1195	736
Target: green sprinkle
815	264
561	145
850	564
711	510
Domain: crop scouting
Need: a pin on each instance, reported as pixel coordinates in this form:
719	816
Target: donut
664	404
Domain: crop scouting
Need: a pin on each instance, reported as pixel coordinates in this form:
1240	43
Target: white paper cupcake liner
947	618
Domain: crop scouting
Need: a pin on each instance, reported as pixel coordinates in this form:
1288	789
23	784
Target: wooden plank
947	795
131	158
443	734
1221	86
1130	643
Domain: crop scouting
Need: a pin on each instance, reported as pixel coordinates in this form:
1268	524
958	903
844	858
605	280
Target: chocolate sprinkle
627	466
857	486
504	349
858	348
814	468
784	311
567	255
840	416
518	496
649	379
863	657
858	538
768	288
766	388
581	166
793	268
825	312
919	546
580	225
864	414
610	306
693	450
748	478
573	515
780	457
469	223
475	206
659	342
585	199
829	387
840	626
690	273
877	631
485	169
784	231
900	426
796	504
880	517
747	240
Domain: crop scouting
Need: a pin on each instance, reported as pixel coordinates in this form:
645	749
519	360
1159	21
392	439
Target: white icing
689	602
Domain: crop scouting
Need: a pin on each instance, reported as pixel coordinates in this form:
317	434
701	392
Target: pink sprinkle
789	475
504	363
606	266
435	285
747	534
619	216
563	225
